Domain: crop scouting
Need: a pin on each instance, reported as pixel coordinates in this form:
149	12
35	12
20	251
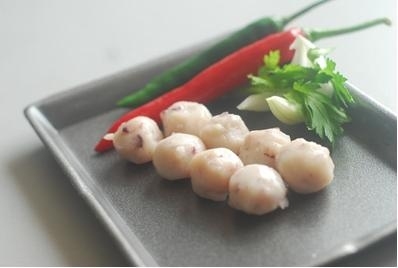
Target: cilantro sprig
324	112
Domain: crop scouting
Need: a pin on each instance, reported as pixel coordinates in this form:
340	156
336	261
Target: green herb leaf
271	60
301	86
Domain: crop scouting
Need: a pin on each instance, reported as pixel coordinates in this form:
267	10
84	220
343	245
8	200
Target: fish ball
261	146
211	170
305	166
185	117
136	139
257	189
224	130
173	155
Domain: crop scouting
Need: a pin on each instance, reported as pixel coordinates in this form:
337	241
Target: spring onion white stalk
285	111
255	102
301	47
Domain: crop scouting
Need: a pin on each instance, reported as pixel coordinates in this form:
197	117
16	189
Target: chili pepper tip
103	145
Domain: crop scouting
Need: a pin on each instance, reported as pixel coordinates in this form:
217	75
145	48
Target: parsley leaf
324	112
271	60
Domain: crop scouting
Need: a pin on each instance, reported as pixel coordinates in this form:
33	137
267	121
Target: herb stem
315	35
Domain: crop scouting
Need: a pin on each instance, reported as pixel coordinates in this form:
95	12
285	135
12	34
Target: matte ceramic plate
164	223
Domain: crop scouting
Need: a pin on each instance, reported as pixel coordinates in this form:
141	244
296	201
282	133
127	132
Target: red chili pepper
228	73
215	81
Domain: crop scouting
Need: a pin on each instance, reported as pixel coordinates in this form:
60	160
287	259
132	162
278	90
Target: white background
50	46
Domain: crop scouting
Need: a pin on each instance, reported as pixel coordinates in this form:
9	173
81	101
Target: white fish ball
262	146
224	130
136	139
305	166
211	170
173	155
257	189
184	117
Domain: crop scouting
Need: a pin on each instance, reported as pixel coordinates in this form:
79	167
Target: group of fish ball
253	169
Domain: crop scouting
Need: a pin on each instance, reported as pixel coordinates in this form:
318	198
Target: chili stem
301	12
315	35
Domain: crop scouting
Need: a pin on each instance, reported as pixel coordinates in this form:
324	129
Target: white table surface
50	46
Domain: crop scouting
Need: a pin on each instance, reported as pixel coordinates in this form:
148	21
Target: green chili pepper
184	71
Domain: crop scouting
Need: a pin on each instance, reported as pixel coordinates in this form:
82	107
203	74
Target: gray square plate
163	223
